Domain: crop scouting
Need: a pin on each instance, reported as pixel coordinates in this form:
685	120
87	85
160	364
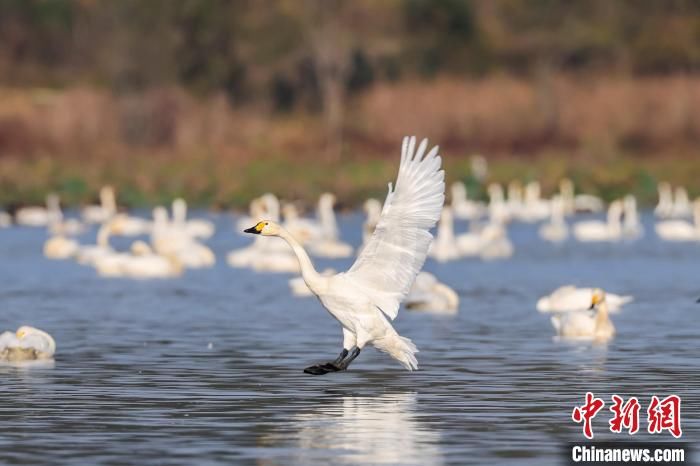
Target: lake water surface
207	369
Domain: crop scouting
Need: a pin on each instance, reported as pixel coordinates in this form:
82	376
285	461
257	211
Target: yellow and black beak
255	229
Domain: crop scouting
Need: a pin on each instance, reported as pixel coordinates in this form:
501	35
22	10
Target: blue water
207	368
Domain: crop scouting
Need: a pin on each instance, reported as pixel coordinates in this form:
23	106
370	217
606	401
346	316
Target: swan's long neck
446	233
696	215
459	193
602	317
179	212
328	223
103	236
557	210
308	272
614	218
53	207
107	200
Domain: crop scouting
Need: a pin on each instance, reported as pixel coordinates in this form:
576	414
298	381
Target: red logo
661	415
626	415
665	415
587	412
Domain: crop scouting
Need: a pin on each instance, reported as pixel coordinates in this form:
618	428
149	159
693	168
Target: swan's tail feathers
626	299
400	348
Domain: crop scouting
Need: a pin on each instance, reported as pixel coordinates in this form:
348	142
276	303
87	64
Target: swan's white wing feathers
395	253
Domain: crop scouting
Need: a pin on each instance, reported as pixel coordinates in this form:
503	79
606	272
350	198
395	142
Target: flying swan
367	297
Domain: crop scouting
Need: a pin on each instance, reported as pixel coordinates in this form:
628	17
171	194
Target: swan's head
327	199
265	228
24	331
597	297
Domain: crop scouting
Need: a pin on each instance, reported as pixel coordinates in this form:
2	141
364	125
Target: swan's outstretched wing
395	253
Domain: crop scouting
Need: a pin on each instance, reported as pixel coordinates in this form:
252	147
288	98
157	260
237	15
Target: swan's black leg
346	362
320	369
336	365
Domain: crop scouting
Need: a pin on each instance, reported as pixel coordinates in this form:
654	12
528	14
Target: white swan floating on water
556	230
586	325
681	230
60	247
329	244
36	216
367	297
599	231
26	344
462	207
429	295
570	298
103	211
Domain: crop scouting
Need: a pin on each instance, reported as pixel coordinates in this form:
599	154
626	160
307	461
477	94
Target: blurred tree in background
214	76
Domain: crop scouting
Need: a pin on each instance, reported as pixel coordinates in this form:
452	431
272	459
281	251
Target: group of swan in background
175	243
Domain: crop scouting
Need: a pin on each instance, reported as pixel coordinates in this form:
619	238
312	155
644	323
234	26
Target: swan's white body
105	210
462	207
556	230
430	295
128	225
681	230
367	297
60	247
586	325
596	230
27	344
569	298
68	227
40	216
489	242
142	263
534	208
495	243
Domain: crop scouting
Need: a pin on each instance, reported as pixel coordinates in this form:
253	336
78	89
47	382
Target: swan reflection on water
365	430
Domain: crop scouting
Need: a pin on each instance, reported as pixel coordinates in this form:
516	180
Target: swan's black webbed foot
340	364
315	370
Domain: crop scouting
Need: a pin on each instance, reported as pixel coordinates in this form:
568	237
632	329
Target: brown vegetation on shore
164	142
